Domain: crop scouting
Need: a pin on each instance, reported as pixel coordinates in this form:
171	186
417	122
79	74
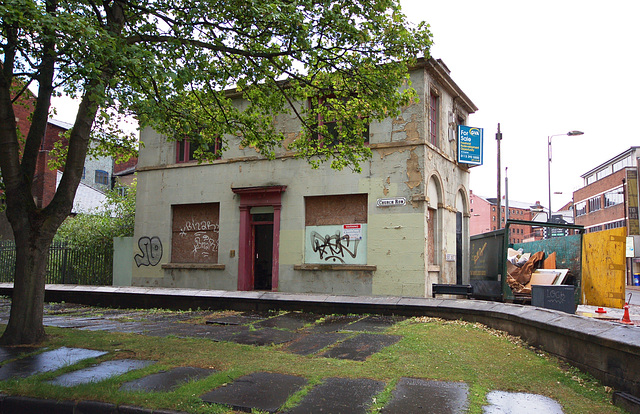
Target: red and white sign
354	231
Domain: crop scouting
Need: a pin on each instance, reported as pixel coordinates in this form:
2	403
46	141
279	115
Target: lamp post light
570	133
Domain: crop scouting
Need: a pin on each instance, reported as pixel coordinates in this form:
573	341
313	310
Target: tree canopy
177	65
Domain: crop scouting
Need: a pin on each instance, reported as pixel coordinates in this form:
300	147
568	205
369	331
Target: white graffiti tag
202	225
203	244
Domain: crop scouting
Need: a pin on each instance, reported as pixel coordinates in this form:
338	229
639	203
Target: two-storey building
245	223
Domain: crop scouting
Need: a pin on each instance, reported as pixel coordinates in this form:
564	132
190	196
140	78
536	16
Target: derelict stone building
245	223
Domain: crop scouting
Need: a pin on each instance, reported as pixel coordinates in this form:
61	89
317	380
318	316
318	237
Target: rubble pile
525	270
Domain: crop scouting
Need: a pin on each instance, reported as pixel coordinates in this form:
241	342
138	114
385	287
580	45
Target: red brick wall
598	188
119	167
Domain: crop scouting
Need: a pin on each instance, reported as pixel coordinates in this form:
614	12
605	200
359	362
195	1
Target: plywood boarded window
336	229
335	209
195	233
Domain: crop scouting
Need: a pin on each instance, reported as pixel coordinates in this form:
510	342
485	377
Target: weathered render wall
398	259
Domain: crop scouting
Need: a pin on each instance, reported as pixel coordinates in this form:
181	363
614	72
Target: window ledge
367	268
200	266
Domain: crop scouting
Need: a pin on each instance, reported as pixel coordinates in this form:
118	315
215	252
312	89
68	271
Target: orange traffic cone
625	318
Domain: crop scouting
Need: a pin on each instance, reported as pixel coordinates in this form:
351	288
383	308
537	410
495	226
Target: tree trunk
25	322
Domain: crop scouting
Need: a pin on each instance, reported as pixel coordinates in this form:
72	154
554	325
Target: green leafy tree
172	64
116	218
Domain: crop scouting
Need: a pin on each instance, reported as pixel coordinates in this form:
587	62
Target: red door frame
257	197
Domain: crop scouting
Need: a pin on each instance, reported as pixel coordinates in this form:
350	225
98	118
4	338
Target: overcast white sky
542	68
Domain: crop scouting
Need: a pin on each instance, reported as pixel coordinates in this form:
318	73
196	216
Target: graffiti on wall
334	247
205	236
151	249
339	244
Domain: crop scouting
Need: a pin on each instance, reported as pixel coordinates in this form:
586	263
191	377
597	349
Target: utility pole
506	193
499	200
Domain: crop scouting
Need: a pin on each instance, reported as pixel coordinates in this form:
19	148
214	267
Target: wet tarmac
349	337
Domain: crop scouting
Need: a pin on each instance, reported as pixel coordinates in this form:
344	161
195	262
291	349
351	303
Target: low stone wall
607	350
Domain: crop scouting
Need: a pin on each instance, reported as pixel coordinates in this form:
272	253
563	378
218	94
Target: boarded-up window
336	229
194	233
335	209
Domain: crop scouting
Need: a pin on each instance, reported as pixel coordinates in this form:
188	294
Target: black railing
66	264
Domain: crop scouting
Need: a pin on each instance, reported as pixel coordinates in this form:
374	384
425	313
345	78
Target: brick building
484	217
609	198
97	175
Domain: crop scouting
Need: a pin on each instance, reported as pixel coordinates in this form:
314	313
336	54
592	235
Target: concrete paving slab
101	326
13	352
360	347
130	327
469	305
415	395
420	302
291	321
261	390
374	323
220	333
262	337
167	381
312	343
334	323
581	325
253	294
184	330
624	335
234	320
340	396
364	300
99	372
46	361
295	297
209	293
67	322
502	402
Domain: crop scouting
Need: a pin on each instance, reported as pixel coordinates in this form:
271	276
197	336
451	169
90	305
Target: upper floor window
434	113
613	197
603	173
185	150
102	177
331	125
625	162
581	208
595	204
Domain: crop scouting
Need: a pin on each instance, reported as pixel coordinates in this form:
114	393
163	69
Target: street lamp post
570	133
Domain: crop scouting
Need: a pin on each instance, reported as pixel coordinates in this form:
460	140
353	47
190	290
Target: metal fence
66	265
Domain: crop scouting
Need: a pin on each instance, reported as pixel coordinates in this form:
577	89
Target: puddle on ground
502	402
99	372
46	361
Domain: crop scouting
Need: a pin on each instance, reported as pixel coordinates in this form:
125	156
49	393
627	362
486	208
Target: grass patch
432	349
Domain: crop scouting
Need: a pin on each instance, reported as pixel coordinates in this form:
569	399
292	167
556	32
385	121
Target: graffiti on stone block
151	249
334	247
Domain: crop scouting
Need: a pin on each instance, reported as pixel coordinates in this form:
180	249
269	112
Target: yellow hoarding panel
603	268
